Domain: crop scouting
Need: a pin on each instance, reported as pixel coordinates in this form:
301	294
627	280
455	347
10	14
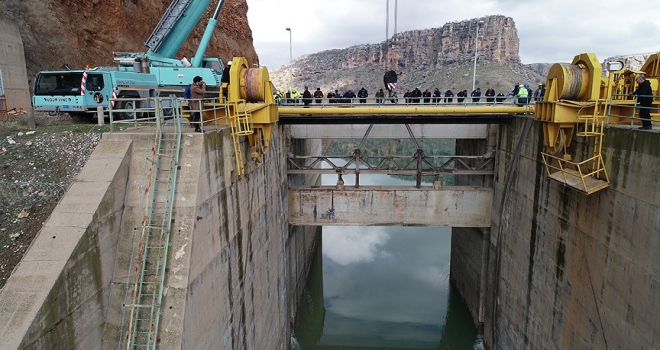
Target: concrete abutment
557	269
235	271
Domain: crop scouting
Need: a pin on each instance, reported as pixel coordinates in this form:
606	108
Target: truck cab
71	91
79	92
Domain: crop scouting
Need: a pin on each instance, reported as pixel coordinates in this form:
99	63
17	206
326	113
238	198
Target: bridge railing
419	165
624	109
137	112
403	101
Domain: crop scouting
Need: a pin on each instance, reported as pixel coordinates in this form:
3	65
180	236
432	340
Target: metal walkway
400	114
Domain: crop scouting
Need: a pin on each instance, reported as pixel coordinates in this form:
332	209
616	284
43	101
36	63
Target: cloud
350	245
412	262
549	31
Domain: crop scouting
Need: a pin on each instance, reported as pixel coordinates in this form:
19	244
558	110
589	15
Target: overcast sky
549	31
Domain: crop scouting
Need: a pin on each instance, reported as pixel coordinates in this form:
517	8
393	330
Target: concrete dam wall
234	270
565	270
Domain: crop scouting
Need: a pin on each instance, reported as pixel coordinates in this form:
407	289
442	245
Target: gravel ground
37	167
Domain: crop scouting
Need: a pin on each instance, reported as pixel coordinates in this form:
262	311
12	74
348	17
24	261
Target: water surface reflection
396	295
383	288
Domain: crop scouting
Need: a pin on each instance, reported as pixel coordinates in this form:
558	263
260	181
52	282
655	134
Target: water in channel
382	288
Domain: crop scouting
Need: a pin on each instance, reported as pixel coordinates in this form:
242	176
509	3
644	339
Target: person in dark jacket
416	94
307	97
318	95
449	96
331	97
349	96
363	94
476	95
514	92
436	96
644	94
461	95
427	96
490	95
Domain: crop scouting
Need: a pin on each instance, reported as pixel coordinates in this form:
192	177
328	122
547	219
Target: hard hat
540	84
526	85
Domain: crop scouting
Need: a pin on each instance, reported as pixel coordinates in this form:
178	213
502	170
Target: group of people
522	94
307	97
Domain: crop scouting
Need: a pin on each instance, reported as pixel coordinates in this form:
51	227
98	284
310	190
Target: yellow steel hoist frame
579	101
250	109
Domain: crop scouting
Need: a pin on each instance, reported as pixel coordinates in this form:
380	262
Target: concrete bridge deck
452	206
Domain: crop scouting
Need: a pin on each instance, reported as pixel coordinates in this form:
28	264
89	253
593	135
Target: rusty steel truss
417	165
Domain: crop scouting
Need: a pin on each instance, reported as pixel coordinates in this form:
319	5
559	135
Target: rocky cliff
86	32
430	48
428	58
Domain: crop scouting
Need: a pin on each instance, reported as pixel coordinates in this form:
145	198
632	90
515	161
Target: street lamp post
290	60
476	41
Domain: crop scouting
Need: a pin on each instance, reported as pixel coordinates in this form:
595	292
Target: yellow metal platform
580	182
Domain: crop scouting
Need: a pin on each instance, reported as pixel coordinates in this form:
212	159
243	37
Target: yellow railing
576	174
240	122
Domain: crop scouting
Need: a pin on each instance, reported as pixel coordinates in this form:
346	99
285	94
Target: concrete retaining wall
469	252
234	268
12	65
572	271
58	295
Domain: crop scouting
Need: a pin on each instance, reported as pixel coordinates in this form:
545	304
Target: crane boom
204	43
174	27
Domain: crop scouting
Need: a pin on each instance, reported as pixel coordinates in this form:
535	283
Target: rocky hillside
428	58
86	32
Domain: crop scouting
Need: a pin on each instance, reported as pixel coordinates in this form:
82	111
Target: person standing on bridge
306	97
490	95
449	96
427	96
198	91
363	94
318	95
476	95
644	94
436	96
523	94
379	96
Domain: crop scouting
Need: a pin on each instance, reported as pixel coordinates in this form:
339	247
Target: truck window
61	84
95	82
215	65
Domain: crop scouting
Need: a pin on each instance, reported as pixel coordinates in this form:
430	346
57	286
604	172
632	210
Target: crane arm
204	43
174	27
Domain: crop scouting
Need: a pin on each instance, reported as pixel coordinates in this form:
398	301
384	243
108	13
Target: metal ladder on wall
240	122
151	249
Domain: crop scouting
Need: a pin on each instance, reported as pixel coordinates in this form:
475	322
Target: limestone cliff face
430	48
82	32
438	57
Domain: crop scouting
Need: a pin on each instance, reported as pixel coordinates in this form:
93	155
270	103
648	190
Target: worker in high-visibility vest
523	95
295	96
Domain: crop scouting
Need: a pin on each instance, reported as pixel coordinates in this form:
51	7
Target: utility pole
290	61
476	42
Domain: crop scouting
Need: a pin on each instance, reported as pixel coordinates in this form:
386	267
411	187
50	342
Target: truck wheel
129	106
